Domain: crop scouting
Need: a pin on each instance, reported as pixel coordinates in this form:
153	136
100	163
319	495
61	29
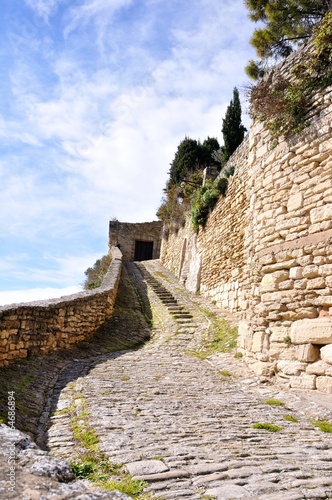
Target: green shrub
206	199
95	274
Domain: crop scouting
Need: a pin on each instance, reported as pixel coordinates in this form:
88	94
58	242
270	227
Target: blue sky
95	97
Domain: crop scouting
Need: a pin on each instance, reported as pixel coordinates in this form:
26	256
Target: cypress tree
232	129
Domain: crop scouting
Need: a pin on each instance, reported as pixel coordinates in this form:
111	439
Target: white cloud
33	294
93	128
44	8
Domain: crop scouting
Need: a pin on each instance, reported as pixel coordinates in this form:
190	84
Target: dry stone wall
44	326
287	327
266	250
213	261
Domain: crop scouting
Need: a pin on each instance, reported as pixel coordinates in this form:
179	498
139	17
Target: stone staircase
179	312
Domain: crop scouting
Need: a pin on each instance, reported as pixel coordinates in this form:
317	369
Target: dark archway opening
143	250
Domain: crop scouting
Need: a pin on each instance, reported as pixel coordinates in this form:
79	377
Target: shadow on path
38	380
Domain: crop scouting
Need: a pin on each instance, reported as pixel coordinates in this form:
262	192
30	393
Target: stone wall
287	323
213	261
128	235
266	250
44	326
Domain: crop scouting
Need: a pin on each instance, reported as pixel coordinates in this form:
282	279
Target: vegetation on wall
95	274
286	25
283	102
206	198
184	190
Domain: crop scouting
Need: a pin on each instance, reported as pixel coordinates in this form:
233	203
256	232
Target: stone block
312	331
304	381
300	284
310	271
321	214
325	270
318	368
324	384
307	353
276	352
257	342
263	369
286	285
326	354
296	273
291	367
295	202
315	284
279	333
324	301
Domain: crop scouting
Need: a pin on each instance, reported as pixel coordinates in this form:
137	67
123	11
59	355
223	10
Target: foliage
173	207
91	463
205	199
267	426
184	188
95	274
191	156
125	485
283	102
238	355
323	425
287	24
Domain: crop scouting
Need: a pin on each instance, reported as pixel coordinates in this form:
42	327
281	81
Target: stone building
137	241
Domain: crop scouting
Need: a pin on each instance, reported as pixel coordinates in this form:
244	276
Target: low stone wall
43	326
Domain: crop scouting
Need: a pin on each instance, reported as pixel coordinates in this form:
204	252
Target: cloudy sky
95	97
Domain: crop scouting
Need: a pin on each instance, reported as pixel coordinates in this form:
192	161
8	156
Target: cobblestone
159	403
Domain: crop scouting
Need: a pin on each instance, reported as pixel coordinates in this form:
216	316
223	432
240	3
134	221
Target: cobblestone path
185	425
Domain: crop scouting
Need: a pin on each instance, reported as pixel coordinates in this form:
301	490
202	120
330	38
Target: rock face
266	249
35	474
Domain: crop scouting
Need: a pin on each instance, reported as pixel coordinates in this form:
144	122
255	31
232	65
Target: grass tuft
219	337
290	418
323	425
266	426
274	402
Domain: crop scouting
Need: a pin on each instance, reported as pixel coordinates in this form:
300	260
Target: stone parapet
48	325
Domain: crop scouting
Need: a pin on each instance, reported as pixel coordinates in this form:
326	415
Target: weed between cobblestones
219	337
274	402
323	425
267	426
290	418
90	463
